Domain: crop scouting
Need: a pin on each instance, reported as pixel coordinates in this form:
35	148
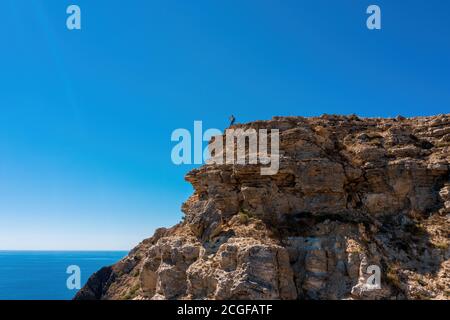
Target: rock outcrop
350	193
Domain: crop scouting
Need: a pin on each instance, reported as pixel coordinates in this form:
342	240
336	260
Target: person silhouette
232	120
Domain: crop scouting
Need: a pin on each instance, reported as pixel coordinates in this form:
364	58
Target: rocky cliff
350	193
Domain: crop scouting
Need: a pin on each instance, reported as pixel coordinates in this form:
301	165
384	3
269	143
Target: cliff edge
351	193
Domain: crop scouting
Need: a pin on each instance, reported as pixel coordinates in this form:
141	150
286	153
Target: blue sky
86	116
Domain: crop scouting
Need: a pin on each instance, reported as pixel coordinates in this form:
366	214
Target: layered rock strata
350	193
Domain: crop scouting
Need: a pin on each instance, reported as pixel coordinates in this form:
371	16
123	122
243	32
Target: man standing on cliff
232	120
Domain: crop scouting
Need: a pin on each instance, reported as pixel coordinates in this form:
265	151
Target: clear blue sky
86	116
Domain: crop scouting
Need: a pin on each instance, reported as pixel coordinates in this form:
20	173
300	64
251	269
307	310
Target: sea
42	275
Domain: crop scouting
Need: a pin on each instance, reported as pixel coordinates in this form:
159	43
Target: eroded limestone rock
350	193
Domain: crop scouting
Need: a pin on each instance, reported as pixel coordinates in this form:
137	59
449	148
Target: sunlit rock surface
350	193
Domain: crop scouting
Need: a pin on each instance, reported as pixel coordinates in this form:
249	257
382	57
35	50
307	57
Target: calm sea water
42	275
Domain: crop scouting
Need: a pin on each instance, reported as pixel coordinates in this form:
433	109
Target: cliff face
350	193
